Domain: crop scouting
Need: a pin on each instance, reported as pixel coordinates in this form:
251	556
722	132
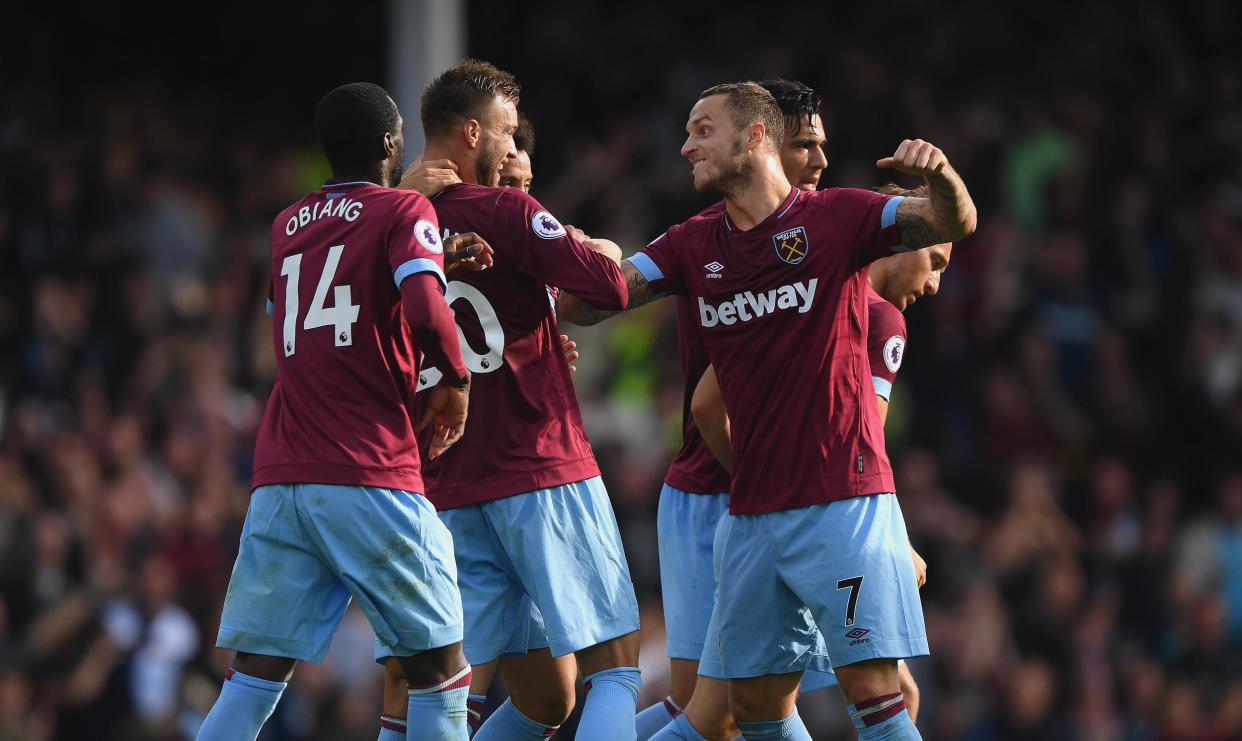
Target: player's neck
434	150
877	277
759	198
377	177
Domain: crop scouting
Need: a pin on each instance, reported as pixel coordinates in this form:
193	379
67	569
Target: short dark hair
351	121
893	189
751	104
524	137
798	103
462	92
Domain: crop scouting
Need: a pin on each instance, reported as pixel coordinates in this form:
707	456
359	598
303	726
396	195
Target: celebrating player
777	283
894	282
531	521
336	510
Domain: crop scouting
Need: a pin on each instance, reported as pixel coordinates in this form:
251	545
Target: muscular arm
948	213
576	311
710	416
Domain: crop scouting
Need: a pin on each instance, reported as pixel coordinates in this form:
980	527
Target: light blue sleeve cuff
883	387
271	308
888	216
646	266
419	265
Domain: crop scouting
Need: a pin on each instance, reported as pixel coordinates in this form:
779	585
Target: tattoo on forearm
636	282
950	203
916	231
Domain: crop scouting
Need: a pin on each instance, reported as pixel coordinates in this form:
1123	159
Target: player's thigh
850	561
686	525
395	557
497	610
758	625
282	599
566	550
541	685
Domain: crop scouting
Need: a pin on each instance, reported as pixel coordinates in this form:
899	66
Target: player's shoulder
396	198
845	198
527	209
883	318
701	222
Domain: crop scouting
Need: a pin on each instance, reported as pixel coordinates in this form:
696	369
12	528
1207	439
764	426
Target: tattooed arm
948	213
576	311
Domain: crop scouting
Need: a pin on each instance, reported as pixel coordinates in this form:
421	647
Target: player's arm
574	310
431	323
948	213
707	406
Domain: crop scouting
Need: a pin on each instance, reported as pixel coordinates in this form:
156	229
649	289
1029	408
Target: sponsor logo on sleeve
893	351
791	245
546	226
425	233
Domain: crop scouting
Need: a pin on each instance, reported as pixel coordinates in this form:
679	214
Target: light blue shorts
799	648
307	548
555	550
686	525
839	573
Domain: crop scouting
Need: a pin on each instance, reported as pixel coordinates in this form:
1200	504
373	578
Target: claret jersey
340	411
525	430
782	310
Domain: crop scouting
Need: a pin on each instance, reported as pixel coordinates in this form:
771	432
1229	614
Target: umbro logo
858	636
713	269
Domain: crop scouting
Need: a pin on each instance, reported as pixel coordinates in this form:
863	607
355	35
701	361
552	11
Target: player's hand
429	177
915	157
920	568
469	251
446	413
576	233
570	348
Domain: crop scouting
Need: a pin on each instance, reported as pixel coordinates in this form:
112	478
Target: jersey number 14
340	316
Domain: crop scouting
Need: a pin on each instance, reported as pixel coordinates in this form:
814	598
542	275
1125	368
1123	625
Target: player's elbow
964	227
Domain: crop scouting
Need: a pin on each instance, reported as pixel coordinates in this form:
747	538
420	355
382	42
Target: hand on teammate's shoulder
429	177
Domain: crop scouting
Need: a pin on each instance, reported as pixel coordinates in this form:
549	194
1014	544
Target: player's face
498	123
916	274
517	173
715	147
802	155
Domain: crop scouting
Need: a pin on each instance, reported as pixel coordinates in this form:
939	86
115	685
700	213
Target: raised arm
576	311
948	213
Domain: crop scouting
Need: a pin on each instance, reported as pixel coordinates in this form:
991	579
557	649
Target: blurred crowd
1066	429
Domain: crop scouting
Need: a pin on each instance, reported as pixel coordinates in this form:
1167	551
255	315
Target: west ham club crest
791	245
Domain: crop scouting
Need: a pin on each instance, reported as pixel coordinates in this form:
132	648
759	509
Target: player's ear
757	135
390	144
473	131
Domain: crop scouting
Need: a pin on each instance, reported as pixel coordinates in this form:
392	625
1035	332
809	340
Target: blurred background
1066	430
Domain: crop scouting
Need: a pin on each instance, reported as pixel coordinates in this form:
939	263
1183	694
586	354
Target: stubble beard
737	174
487	169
